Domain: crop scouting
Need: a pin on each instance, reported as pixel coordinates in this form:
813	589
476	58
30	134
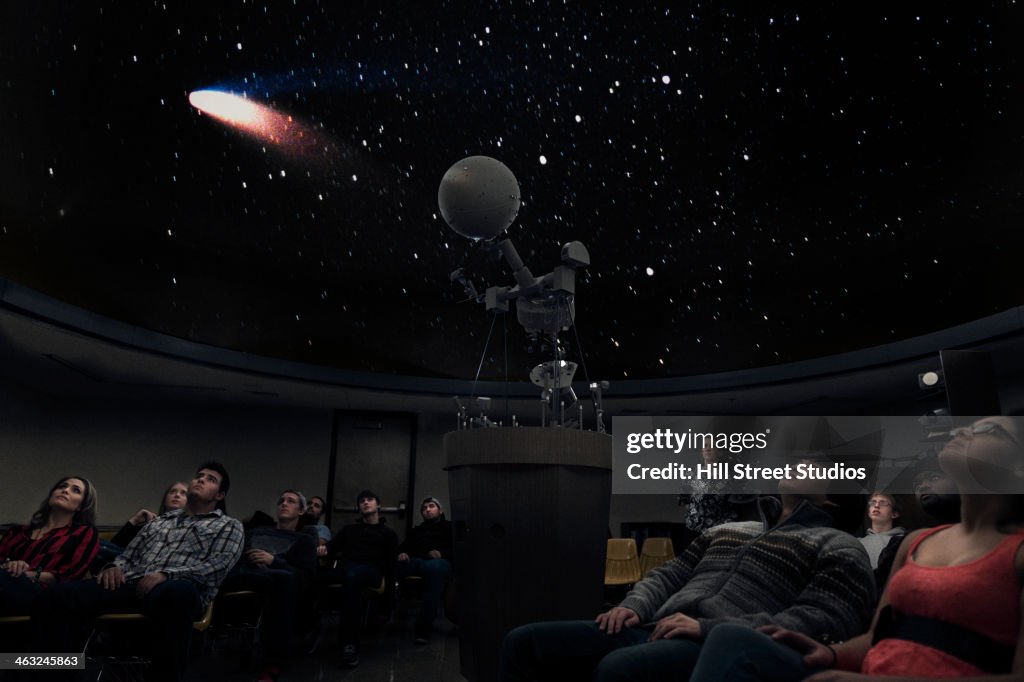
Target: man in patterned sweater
791	569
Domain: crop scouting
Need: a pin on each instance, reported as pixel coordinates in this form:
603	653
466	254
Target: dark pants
578	650
736	653
63	614
280	590
356	579
435	574
16	594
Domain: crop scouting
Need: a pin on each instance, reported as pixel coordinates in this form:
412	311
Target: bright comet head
228	108
260	121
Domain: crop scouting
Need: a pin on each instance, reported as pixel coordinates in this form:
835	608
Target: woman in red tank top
953	606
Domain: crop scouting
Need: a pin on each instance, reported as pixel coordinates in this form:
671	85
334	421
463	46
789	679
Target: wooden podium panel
529	508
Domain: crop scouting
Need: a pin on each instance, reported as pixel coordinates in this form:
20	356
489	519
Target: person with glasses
954	604
883	511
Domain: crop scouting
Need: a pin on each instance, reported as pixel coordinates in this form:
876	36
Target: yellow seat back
621	565
655	552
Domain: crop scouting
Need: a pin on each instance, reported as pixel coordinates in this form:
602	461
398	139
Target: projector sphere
478	197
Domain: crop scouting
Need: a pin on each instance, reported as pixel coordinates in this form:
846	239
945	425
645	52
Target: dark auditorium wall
132	451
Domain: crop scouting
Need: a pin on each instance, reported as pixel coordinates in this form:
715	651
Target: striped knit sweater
800	574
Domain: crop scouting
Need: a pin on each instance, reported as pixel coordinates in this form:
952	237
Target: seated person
883	536
792	569
169	572
174	498
277	562
365	553
56	546
883	511
313	518
938	496
427	553
706	505
953	606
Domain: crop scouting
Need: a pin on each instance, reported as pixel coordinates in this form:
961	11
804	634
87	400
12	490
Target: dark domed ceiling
756	185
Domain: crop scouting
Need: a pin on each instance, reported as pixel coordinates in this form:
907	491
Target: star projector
479	199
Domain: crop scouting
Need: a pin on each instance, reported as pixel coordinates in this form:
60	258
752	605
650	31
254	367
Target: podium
529	508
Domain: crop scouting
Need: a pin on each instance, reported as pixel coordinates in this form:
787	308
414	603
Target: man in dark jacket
427	553
365	552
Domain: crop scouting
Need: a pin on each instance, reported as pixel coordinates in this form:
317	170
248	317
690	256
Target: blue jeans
578	650
737	653
435	574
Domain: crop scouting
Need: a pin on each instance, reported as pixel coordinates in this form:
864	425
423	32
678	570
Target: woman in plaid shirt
56	545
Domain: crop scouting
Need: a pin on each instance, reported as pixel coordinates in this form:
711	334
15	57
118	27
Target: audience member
365	553
953	605
175	497
313	518
938	496
793	570
883	511
55	547
427	553
277	563
706	505
169	572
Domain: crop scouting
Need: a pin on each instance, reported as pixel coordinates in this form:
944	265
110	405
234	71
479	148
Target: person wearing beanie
365	554
427	553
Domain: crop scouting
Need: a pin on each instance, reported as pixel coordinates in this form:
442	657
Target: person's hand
676	625
111	577
402	556
816	654
259	557
434	554
148	582
321	550
16	567
613	621
141	517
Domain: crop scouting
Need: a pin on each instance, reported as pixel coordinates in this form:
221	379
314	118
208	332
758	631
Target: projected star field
756	184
